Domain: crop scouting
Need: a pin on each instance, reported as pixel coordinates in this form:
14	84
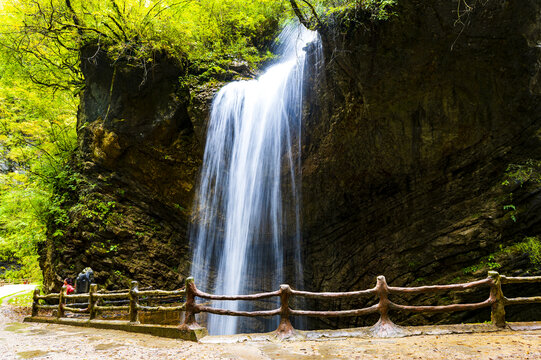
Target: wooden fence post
35	303
92	301
497	314
134	302
384	327
191	307
383	305
285	328
61	301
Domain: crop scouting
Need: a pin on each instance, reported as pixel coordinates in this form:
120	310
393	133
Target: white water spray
247	211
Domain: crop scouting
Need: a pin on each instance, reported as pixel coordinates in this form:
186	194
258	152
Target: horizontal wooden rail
49	296
112	296
439	288
161	308
259	296
342	313
522	300
115	302
122	290
161	292
79	305
111	308
238	313
520	280
441	308
78	296
333	295
76	310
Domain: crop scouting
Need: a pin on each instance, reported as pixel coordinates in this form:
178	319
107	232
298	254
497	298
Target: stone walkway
46	341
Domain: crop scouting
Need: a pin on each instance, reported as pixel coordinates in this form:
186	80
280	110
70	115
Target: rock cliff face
409	130
134	176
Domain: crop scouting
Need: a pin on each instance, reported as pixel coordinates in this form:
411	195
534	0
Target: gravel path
46	341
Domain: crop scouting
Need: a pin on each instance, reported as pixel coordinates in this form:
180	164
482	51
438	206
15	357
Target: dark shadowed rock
137	165
409	130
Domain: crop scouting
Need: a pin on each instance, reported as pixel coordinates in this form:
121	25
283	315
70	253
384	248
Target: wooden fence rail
96	302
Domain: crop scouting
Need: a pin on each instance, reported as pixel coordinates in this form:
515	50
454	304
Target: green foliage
96	209
37	50
530	246
517	175
381	9
48	34
37	137
25	200
376	9
21	230
512	211
488	262
230	29
210	34
179	207
103	247
342	15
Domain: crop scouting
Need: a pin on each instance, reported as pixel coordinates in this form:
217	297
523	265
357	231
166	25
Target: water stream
246	216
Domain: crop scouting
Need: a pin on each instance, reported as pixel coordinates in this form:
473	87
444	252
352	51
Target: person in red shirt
68	283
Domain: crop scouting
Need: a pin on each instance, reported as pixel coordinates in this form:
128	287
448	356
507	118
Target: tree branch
74	16
314	14
119	27
299	13
313	23
80	29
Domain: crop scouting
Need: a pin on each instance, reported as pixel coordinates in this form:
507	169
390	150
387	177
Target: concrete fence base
157	330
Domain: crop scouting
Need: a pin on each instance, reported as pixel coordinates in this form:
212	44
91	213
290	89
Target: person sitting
68	283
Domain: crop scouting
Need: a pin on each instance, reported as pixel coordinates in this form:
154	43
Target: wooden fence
95	302
15	282
496	300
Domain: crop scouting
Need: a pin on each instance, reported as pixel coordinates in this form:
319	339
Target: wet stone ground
46	341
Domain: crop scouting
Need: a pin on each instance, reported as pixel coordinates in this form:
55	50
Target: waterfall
246	215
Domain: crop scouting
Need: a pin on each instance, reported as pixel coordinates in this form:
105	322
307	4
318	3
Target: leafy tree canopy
46	35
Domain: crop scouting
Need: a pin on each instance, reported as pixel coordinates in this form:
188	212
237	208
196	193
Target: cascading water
246	216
